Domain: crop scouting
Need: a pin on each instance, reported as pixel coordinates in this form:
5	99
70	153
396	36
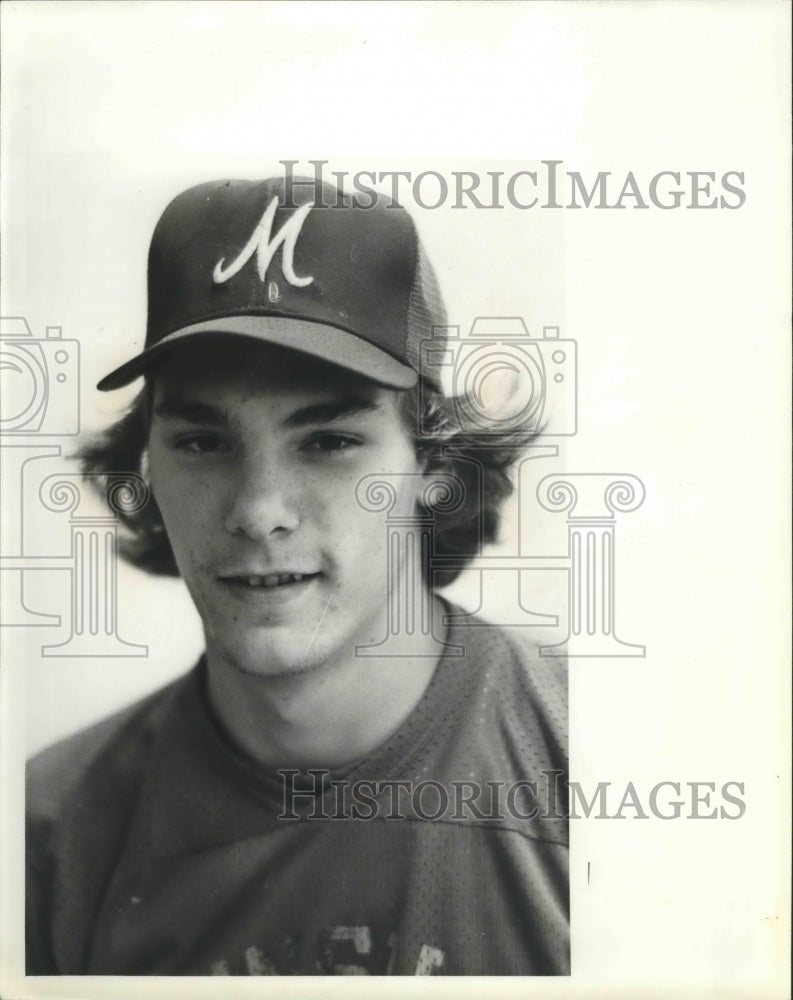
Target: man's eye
200	444
329	444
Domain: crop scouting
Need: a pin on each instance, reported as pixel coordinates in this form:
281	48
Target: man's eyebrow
326	413
315	413
190	410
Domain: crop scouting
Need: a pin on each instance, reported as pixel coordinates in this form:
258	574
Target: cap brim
328	343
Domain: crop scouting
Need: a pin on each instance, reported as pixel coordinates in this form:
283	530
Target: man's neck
322	718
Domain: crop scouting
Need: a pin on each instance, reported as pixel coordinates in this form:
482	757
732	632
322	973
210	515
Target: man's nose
262	501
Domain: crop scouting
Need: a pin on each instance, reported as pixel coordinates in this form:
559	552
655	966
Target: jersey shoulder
520	667
116	744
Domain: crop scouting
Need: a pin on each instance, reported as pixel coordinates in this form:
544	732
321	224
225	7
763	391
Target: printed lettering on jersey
264	246
345	950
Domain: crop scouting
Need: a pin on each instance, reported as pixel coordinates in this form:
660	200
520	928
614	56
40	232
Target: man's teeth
272	579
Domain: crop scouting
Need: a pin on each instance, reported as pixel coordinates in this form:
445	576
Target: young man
306	801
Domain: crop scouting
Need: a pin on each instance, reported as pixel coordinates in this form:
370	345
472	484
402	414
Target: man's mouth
269	580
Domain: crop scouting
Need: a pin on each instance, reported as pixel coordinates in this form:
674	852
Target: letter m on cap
264	247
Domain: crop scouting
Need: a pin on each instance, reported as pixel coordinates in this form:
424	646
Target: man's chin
277	657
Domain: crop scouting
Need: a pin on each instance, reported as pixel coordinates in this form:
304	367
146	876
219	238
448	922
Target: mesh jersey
156	848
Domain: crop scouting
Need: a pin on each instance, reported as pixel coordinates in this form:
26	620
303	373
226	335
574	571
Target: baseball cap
300	265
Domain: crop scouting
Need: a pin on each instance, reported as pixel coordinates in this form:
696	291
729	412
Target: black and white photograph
395	469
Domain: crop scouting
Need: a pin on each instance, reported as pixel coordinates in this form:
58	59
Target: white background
681	318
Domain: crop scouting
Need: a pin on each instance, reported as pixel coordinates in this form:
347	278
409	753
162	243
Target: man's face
255	454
